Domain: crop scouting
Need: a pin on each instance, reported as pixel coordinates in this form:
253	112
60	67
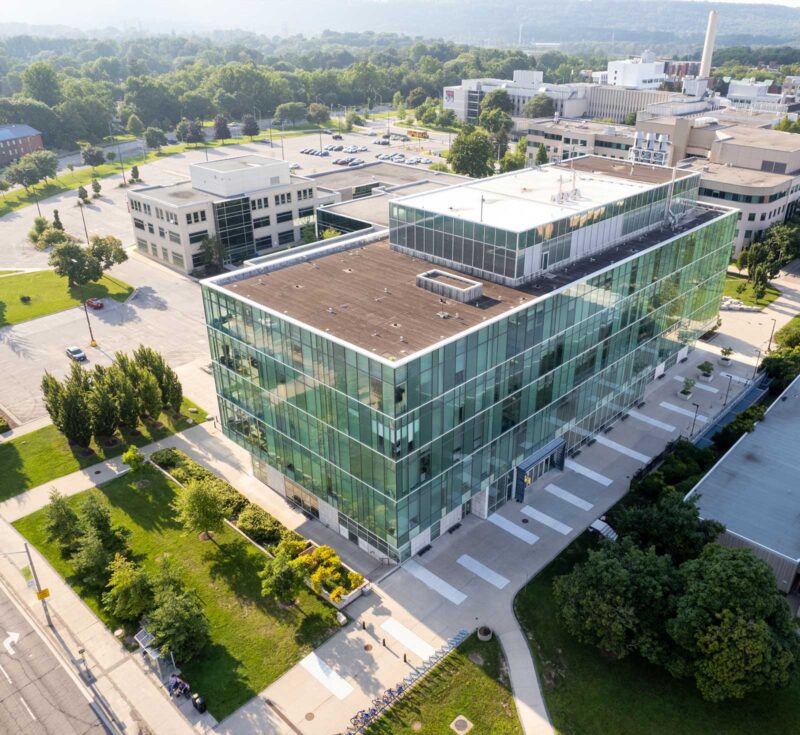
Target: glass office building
370	392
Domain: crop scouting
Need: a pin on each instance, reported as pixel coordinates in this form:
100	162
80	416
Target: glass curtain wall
393	449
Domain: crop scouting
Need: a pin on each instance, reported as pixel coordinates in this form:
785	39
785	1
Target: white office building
252	204
641	72
465	99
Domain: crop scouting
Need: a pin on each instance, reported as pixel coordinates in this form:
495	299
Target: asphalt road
37	696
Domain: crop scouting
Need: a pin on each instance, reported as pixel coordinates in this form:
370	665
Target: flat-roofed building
563	139
251	204
391	383
754	490
465	99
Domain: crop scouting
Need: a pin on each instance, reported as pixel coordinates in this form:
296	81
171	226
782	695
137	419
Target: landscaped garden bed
325	572
252	639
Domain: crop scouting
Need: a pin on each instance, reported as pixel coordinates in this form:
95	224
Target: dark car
76	354
337	137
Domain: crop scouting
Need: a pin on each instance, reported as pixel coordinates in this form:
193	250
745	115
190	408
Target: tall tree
318	113
250	126
129	592
135	126
76	420
282	577
539	106
53	395
75	263
154	138
221	130
497	99
471	153
198	508
107	250
93	156
40	82
61	523
498	124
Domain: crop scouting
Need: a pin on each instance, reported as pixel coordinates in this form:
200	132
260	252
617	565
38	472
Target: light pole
83	217
283	131
728	390
119	153
694	419
42	597
755	369
93	343
772	332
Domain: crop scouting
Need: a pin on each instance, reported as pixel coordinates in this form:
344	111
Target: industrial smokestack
708	46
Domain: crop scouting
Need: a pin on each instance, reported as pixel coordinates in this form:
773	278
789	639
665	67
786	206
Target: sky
166	16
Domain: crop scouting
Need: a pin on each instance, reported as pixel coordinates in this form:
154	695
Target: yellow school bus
418	134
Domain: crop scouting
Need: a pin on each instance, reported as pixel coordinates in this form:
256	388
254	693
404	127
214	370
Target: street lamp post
83	217
119	154
694	419
771	334
755	369
283	132
728	390
38	586
93	343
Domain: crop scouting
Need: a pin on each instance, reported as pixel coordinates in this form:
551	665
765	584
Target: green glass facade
512	257
394	447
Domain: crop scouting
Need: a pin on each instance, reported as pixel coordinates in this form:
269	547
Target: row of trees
101	560
764	259
110	399
667	592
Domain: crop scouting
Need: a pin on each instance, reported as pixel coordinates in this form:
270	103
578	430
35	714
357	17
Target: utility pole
38	586
89	324
694	420
83	217
119	153
772	332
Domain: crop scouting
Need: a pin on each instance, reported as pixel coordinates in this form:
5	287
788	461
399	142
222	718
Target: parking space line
437	584
568	497
683	411
512	528
698	385
617	447
489	575
586	472
546	520
650	420
326	676
408	638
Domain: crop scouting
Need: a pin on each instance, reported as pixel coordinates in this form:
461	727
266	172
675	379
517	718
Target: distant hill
652	23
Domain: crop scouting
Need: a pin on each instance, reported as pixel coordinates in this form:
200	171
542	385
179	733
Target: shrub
167	458
25	299
134	458
260	526
705	367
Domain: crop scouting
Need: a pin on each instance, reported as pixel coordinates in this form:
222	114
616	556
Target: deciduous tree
471	153
198	508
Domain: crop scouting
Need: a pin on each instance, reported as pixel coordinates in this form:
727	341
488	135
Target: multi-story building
564	139
250	204
465	99
16	141
392	383
640	72
749	94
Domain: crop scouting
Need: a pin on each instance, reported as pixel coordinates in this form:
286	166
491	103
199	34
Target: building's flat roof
380	172
375	208
711	172
239	163
747	118
175	195
760	138
372	291
525	199
582	126
755	488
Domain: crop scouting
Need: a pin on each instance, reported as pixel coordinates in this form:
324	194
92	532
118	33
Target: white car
361	148
371	133
294	166
426	161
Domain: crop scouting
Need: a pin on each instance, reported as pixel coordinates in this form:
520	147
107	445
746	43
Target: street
36	694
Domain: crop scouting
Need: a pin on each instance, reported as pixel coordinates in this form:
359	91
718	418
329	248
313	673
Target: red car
94	303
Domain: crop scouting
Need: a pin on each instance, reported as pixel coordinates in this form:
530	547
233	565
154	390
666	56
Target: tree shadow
314	630
147	298
149	506
235	565
11	469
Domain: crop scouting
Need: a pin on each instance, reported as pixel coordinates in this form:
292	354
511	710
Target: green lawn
8	273
472	682
253	640
49	293
733	280
587	694
43	455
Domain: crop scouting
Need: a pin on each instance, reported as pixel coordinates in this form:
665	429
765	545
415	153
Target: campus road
37	696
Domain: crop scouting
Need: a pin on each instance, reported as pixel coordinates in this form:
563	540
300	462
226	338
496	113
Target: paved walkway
467	579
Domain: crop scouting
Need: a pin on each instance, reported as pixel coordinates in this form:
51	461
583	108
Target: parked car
94	303
76	354
339	148
361	148
294	166
371	133
386	136
426	161
337	137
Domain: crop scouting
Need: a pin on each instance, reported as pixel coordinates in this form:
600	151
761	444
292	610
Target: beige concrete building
742	161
